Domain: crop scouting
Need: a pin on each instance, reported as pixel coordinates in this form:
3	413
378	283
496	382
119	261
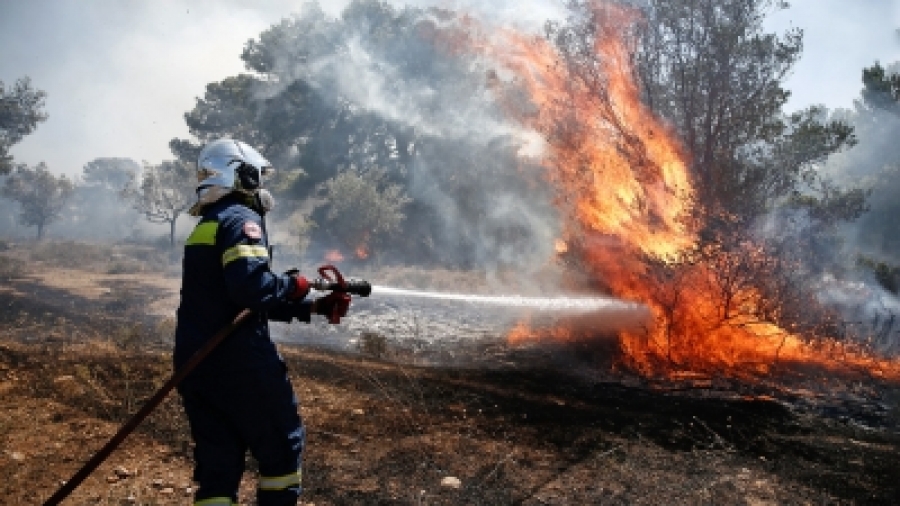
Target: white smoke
503	218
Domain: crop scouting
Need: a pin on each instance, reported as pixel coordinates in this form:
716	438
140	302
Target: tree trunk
40	231
172	233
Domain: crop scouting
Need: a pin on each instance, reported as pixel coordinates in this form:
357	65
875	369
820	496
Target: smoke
870	314
860	277
873	164
474	188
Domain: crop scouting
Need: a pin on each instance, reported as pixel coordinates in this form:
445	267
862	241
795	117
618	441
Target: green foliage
766	213
302	226
875	162
21	109
110	173
228	109
829	205
881	89
41	195
327	97
363	208
712	70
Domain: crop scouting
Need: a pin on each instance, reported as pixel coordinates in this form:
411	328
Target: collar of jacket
249	200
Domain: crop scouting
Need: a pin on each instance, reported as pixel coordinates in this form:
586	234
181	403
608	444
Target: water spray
574	304
590	315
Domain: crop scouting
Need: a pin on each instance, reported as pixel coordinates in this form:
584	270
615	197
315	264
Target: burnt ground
79	352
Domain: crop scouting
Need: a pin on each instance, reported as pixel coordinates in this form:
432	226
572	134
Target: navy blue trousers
253	410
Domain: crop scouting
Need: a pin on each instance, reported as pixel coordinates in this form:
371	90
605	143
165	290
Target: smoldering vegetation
863	278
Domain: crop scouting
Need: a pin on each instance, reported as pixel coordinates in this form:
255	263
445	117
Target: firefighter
239	398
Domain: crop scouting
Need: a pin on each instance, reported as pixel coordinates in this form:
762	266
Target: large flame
625	188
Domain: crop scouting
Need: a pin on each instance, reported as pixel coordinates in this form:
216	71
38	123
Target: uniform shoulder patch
252	230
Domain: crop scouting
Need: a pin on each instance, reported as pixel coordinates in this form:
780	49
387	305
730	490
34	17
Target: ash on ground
425	331
441	333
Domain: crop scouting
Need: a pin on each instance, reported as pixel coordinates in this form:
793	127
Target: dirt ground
82	347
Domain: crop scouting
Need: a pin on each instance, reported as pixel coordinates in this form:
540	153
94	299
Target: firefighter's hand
334	306
299	285
301	310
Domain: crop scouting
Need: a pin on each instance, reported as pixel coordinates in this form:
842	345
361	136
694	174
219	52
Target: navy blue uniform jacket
226	269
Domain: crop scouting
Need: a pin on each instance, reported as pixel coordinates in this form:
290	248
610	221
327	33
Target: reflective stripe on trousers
215	501
280	482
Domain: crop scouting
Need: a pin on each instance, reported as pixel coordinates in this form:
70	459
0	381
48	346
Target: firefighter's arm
245	260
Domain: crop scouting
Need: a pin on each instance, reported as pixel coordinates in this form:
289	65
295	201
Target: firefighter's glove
333	306
289	311
299	285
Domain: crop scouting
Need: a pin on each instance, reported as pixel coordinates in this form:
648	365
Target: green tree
293	108
228	109
711	69
881	88
766	214
41	195
109	173
21	109
162	193
365	209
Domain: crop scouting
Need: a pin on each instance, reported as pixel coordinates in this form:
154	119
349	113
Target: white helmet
227	165
232	165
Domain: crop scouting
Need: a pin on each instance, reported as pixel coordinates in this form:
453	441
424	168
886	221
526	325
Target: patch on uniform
252	230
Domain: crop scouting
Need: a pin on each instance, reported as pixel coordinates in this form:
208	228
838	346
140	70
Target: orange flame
625	189
560	246
334	256
621	170
362	252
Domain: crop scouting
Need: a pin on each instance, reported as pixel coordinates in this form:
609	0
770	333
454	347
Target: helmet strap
260	201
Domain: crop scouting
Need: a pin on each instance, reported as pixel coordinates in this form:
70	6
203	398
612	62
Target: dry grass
388	433
106	258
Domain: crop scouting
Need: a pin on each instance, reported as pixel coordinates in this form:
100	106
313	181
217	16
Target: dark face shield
248	177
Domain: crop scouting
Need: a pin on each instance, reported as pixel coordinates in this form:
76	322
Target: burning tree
685	185
679	179
766	217
41	195
164	192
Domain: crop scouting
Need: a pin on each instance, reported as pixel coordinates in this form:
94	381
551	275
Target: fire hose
336	284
